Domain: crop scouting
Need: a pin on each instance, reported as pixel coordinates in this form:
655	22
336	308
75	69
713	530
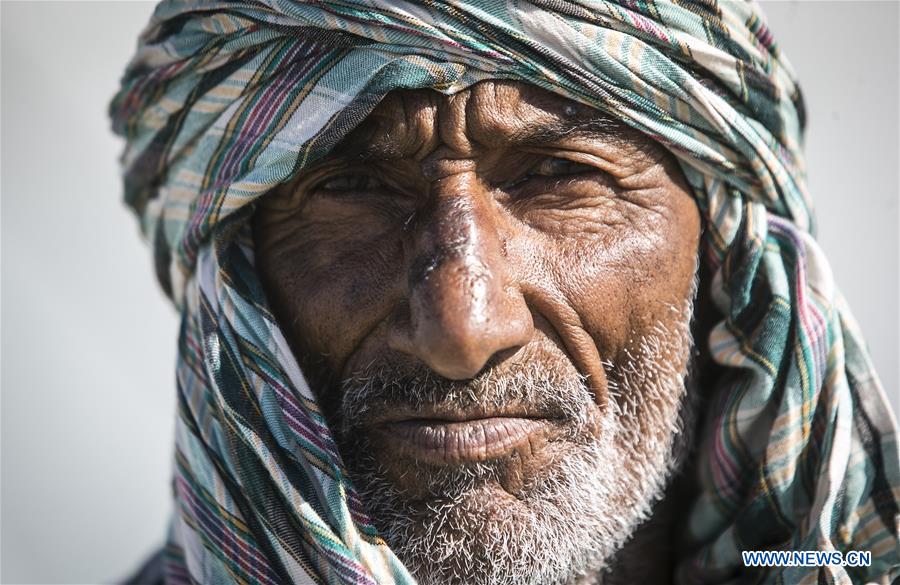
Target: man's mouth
447	441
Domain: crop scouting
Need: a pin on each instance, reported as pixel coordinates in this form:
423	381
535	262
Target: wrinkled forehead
485	116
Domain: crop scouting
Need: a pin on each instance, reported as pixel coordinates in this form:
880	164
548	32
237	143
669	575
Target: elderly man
441	267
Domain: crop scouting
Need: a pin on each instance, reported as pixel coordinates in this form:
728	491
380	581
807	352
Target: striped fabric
225	100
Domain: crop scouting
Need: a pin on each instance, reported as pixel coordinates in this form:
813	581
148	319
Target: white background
88	342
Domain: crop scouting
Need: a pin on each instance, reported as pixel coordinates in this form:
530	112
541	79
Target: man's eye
350	182
552	166
555	167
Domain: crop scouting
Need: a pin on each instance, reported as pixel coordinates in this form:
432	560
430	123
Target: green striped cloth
225	100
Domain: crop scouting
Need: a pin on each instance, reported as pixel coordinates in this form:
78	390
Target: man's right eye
350	182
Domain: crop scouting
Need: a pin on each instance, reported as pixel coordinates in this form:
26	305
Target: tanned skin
496	228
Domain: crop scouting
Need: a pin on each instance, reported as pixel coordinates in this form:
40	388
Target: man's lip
445	441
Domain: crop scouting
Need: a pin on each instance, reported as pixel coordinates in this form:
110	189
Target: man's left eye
550	167
555	167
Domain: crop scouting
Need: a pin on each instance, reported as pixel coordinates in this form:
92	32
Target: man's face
491	293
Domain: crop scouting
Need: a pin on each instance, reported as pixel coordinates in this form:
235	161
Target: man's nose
463	307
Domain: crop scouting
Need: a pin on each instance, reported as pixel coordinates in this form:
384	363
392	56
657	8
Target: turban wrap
225	100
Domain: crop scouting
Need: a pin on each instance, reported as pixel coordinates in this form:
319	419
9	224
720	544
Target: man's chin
470	524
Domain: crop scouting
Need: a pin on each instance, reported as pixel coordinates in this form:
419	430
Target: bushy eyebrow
359	149
598	128
364	150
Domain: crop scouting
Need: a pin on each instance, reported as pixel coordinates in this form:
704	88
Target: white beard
564	523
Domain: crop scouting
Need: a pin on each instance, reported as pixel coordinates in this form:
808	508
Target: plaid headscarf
225	100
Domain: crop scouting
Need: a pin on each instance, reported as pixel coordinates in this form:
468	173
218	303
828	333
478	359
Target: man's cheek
336	307
604	289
